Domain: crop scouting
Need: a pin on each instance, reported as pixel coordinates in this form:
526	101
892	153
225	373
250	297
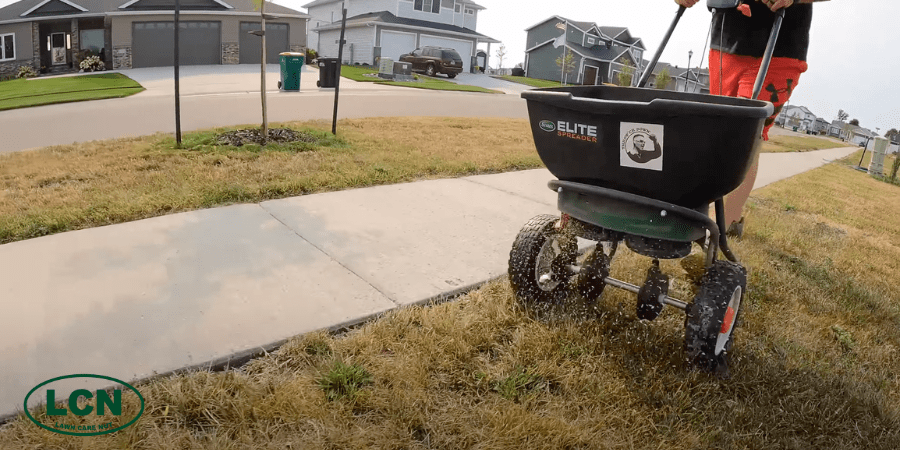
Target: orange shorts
738	75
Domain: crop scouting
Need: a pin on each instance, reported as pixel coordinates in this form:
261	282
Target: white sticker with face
641	146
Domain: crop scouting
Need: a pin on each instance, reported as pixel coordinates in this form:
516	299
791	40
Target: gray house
682	80
55	35
600	53
390	28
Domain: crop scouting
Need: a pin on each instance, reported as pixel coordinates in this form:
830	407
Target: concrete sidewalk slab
418	240
156	295
778	166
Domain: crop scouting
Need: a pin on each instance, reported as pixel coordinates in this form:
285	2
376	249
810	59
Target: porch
63	44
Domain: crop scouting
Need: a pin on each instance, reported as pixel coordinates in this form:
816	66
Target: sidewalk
147	297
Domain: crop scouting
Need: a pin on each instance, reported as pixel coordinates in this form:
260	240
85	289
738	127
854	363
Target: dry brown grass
98	183
815	363
786	143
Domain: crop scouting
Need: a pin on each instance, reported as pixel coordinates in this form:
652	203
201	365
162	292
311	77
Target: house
599	53
796	116
390	28
821	126
836	129
682	80
860	136
57	34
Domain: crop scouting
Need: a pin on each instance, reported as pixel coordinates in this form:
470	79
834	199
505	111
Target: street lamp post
688	73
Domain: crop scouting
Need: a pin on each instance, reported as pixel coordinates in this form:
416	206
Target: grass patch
815	363
357	73
780	144
530	81
98	183
23	93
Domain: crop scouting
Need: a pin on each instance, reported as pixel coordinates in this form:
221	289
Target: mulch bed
238	138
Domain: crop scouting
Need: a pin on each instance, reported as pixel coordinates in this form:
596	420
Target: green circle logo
107	402
548	126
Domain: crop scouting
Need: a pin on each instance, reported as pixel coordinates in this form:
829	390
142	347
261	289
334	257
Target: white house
390	28
797	116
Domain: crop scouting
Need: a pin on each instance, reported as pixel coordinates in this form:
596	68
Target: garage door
463	47
152	43
394	44
276	42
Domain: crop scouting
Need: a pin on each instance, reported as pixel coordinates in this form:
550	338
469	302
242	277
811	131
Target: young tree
625	76
893	135
854	122
567	64
663	79
261	5
501	55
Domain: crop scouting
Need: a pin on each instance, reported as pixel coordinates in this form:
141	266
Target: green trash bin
291	65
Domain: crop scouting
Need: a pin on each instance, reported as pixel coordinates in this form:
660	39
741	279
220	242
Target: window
591	41
457	8
7	47
91	40
470	11
428	6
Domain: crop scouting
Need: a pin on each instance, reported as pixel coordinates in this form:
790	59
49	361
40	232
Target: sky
853	56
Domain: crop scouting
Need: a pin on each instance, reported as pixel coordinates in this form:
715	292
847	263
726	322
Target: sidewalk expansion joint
331	257
516	194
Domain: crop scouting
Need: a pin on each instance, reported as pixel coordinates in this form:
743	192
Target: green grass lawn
358	73
530	81
23	93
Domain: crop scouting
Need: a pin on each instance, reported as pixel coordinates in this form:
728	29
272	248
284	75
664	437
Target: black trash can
328	72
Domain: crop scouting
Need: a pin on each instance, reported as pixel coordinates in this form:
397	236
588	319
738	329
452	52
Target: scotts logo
548	126
107	405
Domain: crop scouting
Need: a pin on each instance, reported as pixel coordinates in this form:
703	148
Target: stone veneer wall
122	57
9	69
230	53
298	49
73	52
36	45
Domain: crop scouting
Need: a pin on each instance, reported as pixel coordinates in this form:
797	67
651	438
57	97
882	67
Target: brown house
53	36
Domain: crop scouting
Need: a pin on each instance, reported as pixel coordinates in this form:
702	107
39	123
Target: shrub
311	55
26	72
92	63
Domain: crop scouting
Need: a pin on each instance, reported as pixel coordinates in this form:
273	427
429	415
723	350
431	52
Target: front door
590	75
58	49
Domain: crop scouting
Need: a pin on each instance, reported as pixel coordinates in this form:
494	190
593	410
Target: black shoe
736	229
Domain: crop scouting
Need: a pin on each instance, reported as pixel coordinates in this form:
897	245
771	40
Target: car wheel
451	75
429	70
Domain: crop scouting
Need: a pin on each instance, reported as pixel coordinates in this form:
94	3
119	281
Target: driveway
488	82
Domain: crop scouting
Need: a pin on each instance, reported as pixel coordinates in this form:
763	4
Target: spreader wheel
711	318
538	260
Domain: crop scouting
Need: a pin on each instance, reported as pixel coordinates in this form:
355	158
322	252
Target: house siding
542	64
24	48
357	7
362	39
405	9
574	35
470	21
542	33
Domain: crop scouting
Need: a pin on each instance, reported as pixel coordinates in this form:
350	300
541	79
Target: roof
599	52
612	31
388	18
95	8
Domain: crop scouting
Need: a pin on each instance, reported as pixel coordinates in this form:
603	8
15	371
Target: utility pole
265	122
337	82
177	90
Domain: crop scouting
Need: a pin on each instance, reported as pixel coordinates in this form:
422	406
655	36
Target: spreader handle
646	75
767	58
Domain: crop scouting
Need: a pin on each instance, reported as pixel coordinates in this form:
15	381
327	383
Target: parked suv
435	60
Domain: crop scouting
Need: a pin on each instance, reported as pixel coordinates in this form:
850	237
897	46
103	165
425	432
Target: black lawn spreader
641	167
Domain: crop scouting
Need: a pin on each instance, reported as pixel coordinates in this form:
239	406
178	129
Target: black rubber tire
318	84
429	70
705	316
279	85
523	260
451	75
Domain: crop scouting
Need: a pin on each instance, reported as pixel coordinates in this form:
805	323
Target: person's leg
781	80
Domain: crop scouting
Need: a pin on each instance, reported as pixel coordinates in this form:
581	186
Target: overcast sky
853	58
